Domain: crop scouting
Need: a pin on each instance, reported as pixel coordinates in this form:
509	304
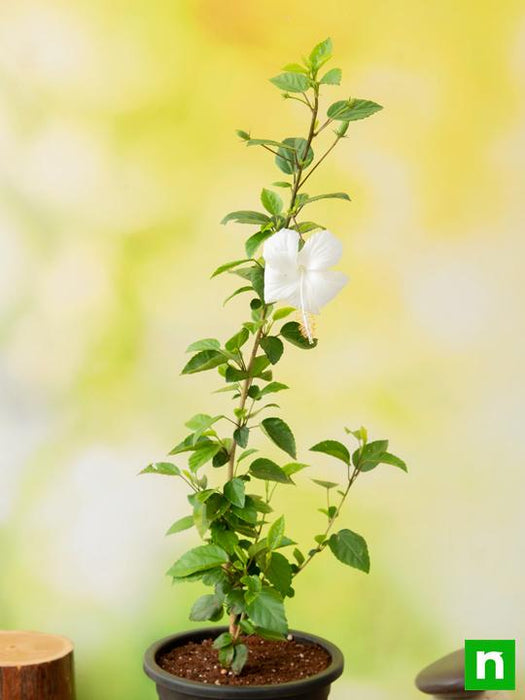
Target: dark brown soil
268	662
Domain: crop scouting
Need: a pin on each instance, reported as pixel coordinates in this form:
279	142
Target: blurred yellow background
118	160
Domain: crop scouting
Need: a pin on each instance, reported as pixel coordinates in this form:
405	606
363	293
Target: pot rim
279	690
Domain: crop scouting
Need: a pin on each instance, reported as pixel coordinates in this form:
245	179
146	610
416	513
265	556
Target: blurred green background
118	159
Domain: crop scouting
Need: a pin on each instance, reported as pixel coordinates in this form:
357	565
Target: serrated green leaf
267	470
165	468
321	53
267	611
334	448
295	68
273	348
204	360
291	332
207	607
238	340
180	525
353	109
234	492
203	455
223	640
241	436
275	533
351	549
254	242
331	195
272	202
300	157
225	268
307	226
291	82
202	558
240	657
279	432
369	456
205	344
279	573
332	77
246	217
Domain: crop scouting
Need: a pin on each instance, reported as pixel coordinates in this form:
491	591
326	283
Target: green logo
490	664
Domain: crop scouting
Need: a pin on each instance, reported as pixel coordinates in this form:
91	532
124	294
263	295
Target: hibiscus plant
248	557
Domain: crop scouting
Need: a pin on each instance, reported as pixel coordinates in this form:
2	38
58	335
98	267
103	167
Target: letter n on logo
490	664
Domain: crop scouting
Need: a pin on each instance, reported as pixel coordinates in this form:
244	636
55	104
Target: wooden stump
35	666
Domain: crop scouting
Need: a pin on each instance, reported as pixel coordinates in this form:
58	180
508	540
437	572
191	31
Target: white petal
281	249
321	250
281	286
319	287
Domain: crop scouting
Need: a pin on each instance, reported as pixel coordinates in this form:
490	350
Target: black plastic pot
170	687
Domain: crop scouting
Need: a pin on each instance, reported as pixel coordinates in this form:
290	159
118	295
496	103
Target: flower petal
281	286
281	249
319	287
321	250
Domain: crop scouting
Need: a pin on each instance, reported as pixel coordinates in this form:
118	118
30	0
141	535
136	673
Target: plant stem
331	522
320	161
297	176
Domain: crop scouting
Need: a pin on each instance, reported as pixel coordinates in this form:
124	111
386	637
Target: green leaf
307	226
254	242
226	655
241	436
267	470
285	311
299	556
248	513
279	432
292	333
204	360
273	348
325	484
281	183
267	611
207	607
269	142
279	573
199	423
189	444
181	525
369	456
223	640
246	217
255	275
288	162
351	549
165	468
295	68
294	467
272	388
352	109
246	453
221	458
272	202
291	82
226	539
205	344
238	340
202	558
334	448
234	492
203	455
275	533
321	53
224	268
333	77
244	135
331	195
387	458
240	656
241	290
